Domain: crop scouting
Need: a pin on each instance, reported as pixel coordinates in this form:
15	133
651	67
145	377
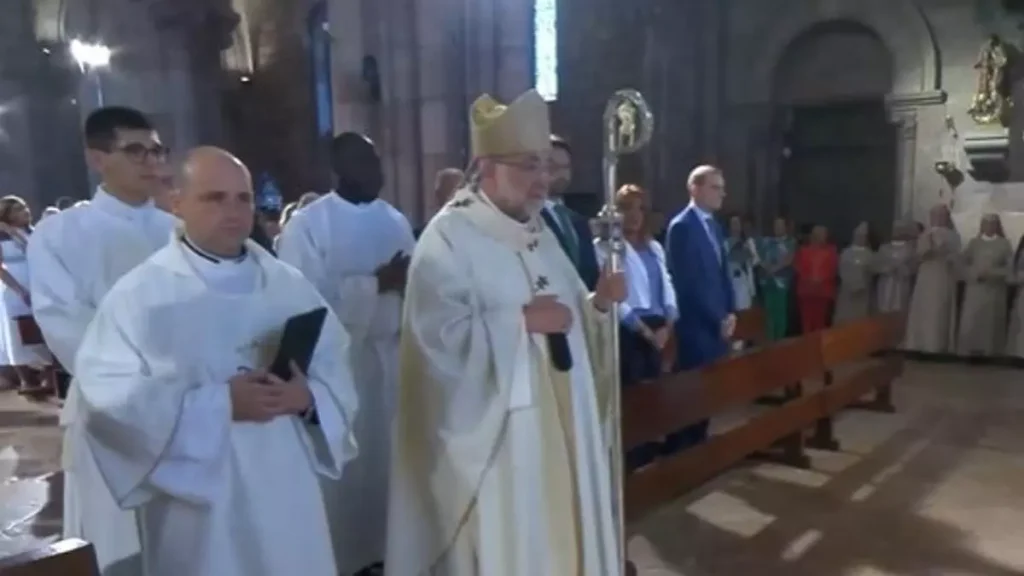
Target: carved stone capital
989	153
212	20
907	124
913	101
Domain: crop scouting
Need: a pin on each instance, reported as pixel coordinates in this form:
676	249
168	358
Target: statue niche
991	102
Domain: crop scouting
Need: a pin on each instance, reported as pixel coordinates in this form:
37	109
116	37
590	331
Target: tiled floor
937	489
30	484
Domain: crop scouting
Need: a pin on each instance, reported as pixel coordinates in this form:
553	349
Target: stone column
710	62
351	99
165	63
396	120
191	36
906	159
433	61
16	62
443	121
904	111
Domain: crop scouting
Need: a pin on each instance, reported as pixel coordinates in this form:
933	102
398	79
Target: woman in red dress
816	265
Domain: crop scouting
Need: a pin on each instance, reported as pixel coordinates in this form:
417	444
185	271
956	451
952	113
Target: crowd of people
452	417
959	299
411	436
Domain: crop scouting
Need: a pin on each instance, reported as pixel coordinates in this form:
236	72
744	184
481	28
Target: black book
298	342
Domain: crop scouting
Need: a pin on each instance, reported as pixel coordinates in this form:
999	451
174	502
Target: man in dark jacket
571	228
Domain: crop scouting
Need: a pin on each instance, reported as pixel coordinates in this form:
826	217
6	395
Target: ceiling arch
899	24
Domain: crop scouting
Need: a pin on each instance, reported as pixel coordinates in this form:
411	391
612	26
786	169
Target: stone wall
268	97
433	58
709	68
606	45
166	62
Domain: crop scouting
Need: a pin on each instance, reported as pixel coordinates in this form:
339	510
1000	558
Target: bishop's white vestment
500	465
215	497
338	246
75	257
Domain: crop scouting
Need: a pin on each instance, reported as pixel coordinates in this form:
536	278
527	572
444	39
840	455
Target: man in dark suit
706	303
571	228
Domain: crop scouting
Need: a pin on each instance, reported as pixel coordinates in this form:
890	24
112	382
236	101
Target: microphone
561	355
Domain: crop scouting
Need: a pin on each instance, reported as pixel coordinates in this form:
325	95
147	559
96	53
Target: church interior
829	112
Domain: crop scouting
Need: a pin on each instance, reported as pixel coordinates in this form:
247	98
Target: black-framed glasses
139	153
531	164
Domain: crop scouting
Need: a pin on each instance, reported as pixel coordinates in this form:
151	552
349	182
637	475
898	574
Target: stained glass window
545	48
320	44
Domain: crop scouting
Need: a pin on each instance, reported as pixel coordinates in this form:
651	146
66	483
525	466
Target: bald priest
219	456
500	463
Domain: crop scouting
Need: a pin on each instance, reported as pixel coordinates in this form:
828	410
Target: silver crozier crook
628	124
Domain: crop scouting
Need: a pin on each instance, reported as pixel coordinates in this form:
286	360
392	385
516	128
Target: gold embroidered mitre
521	127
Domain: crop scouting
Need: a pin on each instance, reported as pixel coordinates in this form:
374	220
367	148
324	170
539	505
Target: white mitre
521	127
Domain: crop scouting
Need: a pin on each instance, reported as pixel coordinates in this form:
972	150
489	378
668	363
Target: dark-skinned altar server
355	248
219	456
501	459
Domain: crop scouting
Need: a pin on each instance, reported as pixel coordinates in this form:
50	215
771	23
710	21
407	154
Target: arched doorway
838	165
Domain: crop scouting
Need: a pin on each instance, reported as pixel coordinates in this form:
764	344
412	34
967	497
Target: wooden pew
70	557
652	410
858	359
750	326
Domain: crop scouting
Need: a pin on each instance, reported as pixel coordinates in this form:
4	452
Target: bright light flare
90	55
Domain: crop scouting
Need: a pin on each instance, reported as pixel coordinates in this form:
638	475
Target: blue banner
268	194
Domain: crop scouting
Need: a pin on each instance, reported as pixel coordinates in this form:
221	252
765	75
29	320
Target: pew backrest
72	557
750	325
650	410
860	339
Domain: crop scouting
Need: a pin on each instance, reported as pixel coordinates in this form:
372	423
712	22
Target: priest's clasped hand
391	276
610	290
296	397
546	315
258	396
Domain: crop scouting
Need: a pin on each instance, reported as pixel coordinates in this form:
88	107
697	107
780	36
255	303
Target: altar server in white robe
501	461
219	457
355	248
75	257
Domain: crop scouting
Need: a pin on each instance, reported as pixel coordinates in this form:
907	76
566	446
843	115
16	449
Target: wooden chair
70	557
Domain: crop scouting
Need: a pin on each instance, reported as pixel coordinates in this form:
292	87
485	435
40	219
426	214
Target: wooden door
840	167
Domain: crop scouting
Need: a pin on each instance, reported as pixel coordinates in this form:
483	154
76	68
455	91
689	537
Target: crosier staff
628	124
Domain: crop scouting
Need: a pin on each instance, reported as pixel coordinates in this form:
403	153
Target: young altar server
500	463
75	257
219	457
355	248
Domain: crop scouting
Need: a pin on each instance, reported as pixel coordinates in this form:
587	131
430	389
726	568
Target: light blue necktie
712	233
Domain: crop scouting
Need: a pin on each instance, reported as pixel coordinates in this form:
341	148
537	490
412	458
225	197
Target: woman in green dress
776	254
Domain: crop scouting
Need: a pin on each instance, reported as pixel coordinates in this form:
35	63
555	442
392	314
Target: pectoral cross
541	284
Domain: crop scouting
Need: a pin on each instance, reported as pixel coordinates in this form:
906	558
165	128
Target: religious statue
991	101
626	114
